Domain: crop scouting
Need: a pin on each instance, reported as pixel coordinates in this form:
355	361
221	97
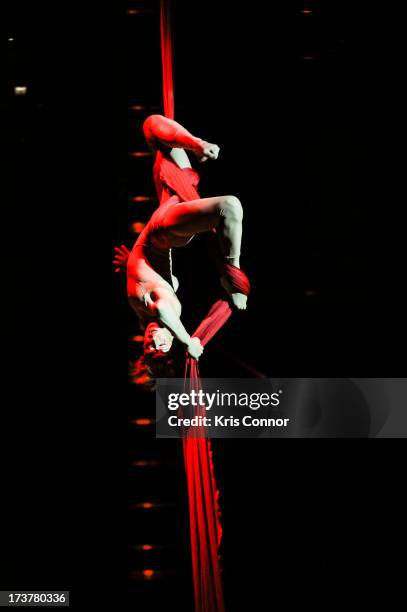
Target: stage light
140	11
146	505
20	90
143	422
140	154
145	463
147	547
137	339
139	107
148	573
151	505
137	227
11	39
306	11
142	199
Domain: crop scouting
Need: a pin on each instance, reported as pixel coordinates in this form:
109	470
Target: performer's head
156	361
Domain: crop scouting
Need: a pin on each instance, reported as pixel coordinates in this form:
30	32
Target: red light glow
138	338
144	463
137	227
142	199
143	422
140	154
148	573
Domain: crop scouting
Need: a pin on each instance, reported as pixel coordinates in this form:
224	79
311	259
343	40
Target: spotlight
145	463
20	90
142	199
143	422
137	227
138	338
140	154
148	574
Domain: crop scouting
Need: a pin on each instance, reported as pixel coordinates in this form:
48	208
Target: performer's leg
224	213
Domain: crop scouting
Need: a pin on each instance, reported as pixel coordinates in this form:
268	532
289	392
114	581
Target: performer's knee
231	208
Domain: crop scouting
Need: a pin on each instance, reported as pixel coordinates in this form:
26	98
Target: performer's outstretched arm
159	130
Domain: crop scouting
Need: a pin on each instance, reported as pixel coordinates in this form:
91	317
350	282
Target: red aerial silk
166	58
203	496
168	173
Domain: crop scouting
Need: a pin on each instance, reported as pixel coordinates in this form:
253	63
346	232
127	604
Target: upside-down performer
151	285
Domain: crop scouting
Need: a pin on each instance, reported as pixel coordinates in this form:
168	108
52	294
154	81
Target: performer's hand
195	348
207	150
120	258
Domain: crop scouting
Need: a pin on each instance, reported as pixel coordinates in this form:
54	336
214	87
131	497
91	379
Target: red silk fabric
203	496
168	174
166	58
236	277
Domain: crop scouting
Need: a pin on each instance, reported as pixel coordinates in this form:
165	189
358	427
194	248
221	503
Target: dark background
306	112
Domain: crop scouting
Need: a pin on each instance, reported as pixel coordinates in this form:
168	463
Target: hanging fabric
203	495
167	58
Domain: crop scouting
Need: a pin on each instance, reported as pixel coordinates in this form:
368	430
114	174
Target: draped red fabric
203	496
173	176
166	58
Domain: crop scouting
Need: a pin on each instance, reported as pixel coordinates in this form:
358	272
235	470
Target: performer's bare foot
239	300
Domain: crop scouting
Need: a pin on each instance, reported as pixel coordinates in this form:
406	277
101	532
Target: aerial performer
181	214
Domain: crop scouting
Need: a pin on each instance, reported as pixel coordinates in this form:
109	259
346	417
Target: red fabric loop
178	180
237	278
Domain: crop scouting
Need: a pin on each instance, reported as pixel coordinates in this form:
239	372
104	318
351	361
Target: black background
311	149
